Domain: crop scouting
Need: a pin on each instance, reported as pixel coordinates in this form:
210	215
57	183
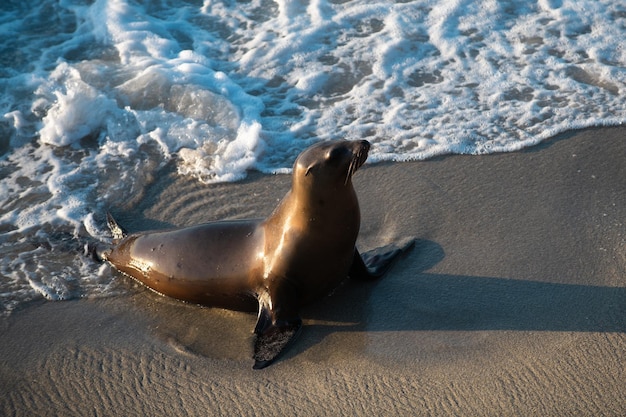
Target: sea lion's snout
362	152
359	156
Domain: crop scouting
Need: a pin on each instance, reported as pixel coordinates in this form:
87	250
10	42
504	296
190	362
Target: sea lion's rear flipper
96	251
117	230
273	334
374	264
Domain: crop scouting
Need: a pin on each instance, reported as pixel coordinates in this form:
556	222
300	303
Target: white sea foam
97	97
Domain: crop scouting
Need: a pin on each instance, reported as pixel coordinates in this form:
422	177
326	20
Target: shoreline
513	302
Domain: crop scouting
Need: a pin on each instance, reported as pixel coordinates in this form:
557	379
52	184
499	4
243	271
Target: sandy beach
512	302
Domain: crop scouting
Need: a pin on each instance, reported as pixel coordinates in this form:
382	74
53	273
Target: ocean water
97	96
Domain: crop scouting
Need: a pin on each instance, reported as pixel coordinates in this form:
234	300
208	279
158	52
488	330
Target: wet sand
513	302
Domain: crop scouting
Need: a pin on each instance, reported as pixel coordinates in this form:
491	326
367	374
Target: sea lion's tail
117	230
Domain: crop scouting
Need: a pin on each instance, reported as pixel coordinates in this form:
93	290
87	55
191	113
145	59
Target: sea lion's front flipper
374	264
273	334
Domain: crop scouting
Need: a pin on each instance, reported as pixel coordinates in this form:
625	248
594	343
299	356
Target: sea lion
303	250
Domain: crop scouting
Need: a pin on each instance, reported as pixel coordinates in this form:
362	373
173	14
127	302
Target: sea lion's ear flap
308	171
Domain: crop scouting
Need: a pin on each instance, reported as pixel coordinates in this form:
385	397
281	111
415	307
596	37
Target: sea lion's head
330	164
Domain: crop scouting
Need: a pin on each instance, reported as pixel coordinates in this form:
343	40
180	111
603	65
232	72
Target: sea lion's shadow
408	298
412	299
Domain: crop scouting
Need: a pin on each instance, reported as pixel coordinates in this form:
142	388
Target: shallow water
99	97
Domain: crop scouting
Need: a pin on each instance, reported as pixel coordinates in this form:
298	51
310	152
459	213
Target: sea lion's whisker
351	168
